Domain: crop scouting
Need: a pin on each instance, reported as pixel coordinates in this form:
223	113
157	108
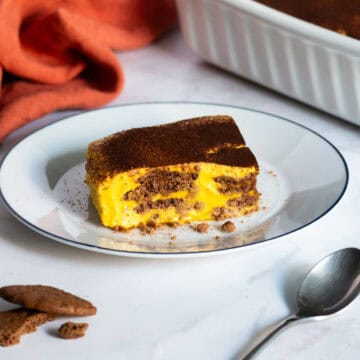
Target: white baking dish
307	62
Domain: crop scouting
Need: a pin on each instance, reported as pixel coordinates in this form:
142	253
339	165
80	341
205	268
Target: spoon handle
267	335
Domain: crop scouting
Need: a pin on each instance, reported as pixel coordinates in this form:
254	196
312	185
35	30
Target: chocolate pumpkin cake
342	16
191	170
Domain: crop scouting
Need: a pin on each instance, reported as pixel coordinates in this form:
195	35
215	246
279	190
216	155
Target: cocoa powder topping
182	142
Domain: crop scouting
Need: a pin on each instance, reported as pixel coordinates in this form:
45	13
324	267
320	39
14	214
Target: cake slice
191	170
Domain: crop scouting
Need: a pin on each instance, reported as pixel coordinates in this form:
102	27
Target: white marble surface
202	308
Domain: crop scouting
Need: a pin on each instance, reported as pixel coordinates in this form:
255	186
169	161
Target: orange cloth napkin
57	54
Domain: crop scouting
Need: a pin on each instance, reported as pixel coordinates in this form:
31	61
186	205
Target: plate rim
144	254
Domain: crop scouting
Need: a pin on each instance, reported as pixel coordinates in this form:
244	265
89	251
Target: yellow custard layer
199	202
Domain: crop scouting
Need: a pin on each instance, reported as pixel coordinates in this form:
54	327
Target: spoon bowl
328	287
331	284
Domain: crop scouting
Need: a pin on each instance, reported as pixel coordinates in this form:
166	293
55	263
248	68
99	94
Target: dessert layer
214	139
175	194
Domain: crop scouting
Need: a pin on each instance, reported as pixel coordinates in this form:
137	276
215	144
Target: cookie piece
47	299
72	330
14	323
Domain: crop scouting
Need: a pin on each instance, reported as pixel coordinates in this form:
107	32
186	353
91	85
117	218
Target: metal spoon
328	287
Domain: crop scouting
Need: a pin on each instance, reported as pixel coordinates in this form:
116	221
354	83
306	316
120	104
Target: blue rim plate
302	177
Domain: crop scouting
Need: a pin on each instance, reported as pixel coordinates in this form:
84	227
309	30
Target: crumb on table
72	330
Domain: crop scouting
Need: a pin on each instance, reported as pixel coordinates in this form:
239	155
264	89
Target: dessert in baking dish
191	170
342	16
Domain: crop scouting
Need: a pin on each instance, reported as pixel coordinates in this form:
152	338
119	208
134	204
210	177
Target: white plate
302	176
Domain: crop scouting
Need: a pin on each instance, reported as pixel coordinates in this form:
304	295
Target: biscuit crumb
173	237
222	213
121	229
202	228
72	330
271	172
228	227
198	205
155	217
149	228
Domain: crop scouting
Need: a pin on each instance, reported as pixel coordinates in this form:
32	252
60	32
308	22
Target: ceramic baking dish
307	62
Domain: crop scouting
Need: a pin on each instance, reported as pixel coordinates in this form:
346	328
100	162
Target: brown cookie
47	299
15	323
72	330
